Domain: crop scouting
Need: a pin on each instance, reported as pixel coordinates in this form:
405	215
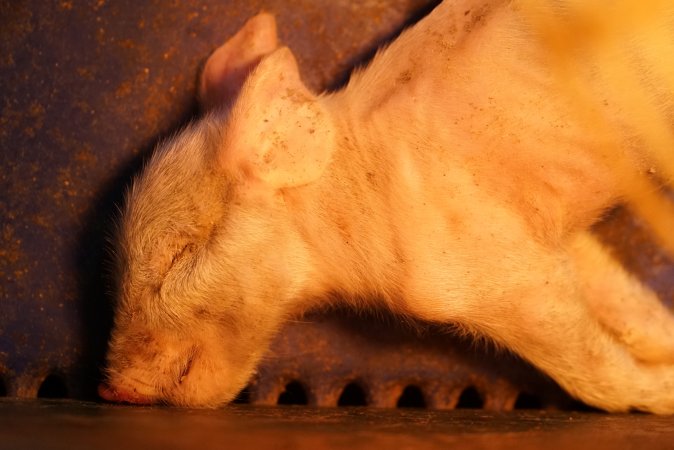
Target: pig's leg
550	324
564	338
228	67
627	309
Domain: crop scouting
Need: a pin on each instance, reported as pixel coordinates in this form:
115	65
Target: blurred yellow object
620	53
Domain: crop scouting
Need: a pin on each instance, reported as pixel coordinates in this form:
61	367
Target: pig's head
209	260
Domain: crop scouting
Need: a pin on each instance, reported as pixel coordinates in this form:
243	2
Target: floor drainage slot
293	394
412	397
53	387
470	399
352	395
526	400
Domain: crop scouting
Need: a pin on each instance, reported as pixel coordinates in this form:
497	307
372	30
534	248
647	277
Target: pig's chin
159	368
122	395
119	388
199	389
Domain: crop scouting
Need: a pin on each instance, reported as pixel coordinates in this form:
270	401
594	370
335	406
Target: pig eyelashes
185	250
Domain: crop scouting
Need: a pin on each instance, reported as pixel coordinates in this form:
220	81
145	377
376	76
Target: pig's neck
344	220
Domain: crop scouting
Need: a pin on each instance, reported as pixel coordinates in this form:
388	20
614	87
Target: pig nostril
53	387
293	394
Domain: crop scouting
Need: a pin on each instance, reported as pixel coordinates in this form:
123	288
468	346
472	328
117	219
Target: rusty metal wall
87	88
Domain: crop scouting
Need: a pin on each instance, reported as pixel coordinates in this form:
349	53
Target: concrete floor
58	424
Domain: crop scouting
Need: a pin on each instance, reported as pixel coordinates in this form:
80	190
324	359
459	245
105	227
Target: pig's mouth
118	395
121	388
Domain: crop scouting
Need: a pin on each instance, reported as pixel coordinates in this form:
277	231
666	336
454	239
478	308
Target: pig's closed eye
184	251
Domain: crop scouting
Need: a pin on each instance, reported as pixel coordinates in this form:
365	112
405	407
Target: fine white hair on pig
453	180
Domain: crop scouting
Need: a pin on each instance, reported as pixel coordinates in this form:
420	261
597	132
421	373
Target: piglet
454	180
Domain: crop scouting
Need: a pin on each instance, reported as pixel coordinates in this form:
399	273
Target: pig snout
120	396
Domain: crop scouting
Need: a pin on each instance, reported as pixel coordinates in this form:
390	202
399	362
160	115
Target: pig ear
227	68
279	132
